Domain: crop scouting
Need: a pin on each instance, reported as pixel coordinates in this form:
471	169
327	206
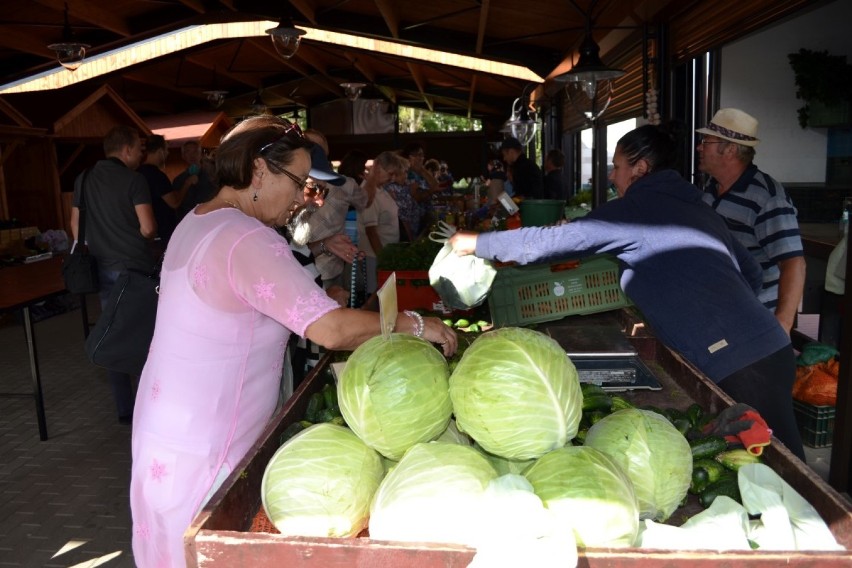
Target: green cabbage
453	436
516	393
393	393
434	494
588	491
321	483
655	456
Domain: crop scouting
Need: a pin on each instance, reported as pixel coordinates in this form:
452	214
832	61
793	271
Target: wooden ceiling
542	35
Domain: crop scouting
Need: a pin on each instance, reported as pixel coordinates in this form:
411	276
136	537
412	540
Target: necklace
232	204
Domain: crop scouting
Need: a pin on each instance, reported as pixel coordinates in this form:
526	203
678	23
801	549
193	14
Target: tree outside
421	120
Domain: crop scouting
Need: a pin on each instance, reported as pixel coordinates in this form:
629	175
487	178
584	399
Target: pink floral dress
231	293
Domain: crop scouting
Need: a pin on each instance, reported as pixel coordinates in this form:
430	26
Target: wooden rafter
96	15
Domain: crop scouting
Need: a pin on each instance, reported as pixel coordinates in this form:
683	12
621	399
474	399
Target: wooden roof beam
480	41
388	12
91	13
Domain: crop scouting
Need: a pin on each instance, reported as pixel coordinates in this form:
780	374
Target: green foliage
420	120
417	255
821	78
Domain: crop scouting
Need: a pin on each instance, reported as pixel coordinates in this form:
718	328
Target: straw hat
733	125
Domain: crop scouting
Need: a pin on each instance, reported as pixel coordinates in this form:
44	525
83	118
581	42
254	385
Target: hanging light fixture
286	38
588	84
257	105
352	90
522	123
69	53
215	98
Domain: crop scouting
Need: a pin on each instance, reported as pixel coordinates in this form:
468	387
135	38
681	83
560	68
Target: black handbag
122	335
80	269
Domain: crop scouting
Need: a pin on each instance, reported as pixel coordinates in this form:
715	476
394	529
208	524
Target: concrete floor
64	502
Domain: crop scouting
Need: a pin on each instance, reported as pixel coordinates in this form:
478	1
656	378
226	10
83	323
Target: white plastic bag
462	282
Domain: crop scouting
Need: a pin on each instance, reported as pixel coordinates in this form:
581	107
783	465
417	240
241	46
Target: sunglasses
314	189
291	128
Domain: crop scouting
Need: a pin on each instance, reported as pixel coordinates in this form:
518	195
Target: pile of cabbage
481	457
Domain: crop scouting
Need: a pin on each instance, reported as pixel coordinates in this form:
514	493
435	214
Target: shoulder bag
121	338
79	268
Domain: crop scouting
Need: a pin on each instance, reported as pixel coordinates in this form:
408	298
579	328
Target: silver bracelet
419	325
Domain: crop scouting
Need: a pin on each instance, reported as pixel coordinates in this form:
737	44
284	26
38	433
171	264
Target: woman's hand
463	243
340	245
436	331
339	294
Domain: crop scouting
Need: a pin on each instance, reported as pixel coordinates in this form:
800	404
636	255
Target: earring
254	198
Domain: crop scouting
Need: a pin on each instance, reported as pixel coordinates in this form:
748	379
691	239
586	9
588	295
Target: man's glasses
315	190
291	128
707	142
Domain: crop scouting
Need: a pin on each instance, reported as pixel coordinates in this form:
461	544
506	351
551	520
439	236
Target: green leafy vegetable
393	393
516	393
588	491
321	483
653	454
433	495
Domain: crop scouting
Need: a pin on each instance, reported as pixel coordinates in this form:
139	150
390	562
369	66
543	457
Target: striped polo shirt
762	217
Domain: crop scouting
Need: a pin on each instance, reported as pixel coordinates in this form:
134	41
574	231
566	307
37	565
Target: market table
220	535
21	286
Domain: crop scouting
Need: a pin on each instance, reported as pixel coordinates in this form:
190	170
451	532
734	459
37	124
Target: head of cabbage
589	492
653	454
393	393
321	483
516	393
434	494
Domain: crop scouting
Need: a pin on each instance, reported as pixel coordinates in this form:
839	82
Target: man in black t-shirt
119	224
164	199
526	176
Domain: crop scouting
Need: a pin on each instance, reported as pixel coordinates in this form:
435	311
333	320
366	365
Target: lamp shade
69	54
286	38
589	67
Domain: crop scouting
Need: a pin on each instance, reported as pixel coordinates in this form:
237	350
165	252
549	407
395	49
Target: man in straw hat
756	208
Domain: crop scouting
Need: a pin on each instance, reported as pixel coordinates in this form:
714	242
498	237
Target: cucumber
620	403
707	447
314	407
290	431
591	389
580	438
325	415
681	425
735	459
715	471
695	414
597	402
329	396
700	480
727	486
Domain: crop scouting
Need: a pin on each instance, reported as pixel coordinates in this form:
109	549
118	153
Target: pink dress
231	293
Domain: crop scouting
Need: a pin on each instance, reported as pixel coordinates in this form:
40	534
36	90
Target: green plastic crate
522	295
816	423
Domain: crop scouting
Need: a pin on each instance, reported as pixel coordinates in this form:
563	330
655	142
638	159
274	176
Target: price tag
388	305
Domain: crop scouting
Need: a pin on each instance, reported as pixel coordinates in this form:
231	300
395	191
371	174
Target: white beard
298	227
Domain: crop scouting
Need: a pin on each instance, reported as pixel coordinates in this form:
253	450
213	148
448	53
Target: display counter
220	535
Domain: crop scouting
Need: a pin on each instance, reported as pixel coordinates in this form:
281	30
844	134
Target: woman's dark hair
267	137
657	145
353	165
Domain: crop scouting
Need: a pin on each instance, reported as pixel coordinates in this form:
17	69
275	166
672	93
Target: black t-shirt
526	178
112	228
554	187
159	185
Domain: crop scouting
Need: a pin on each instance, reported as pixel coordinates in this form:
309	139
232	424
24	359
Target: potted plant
824	82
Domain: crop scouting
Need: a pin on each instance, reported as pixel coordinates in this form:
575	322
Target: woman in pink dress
231	294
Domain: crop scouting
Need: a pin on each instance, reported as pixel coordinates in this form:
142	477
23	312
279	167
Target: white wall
757	78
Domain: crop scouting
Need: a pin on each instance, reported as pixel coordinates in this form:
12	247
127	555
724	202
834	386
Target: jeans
123	385
767	386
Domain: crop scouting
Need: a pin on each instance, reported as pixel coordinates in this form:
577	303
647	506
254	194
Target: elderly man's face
711	153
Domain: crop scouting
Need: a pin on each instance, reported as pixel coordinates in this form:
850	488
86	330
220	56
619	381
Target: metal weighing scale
605	357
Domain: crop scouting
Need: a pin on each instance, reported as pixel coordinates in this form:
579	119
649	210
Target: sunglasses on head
291	129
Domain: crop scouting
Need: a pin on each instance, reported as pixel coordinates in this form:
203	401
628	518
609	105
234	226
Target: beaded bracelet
324	250
419	326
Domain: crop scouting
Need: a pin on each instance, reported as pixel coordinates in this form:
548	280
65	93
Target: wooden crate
219	535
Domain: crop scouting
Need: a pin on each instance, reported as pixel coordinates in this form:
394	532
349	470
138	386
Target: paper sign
388	306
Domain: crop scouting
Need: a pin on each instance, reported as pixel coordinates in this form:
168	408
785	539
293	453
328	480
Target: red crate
413	291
